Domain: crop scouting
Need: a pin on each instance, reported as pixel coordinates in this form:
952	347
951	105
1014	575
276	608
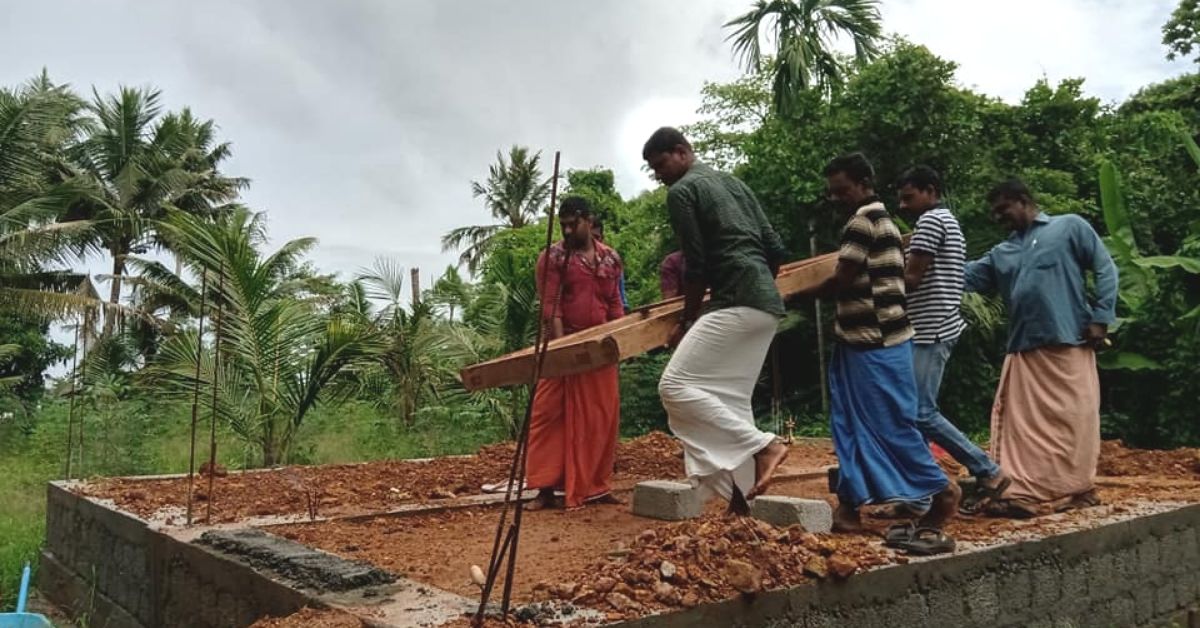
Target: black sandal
899	534
976	503
927	542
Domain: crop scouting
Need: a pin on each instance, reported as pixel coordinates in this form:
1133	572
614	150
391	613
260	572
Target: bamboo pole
71	405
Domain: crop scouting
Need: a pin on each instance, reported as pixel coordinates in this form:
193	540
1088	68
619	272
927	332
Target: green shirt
726	239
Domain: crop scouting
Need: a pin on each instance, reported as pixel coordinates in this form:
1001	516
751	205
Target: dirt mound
709	559
310	618
1118	460
655	455
360	488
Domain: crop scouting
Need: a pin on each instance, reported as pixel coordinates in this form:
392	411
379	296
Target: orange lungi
573	434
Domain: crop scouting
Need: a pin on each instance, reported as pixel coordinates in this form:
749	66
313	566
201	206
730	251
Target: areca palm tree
804	32
515	193
134	165
278	354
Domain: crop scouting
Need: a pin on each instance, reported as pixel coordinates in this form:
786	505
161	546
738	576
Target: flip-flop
976	503
897	535
927	542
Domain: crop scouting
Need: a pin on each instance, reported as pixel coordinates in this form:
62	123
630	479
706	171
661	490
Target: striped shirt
935	306
871	312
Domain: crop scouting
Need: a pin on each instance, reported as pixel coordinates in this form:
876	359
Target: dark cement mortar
302	564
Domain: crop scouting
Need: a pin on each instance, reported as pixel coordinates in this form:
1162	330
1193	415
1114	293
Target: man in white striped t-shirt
933	277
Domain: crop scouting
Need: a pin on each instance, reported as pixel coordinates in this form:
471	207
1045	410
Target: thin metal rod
776	388
71	406
196	393
517	470
212	423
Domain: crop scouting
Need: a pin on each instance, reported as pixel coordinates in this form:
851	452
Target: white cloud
362	122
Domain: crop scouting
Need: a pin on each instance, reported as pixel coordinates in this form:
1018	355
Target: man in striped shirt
881	454
933	276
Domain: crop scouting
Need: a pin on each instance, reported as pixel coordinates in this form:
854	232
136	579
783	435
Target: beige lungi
1046	425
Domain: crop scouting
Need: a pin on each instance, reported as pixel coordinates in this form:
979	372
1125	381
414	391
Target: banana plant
1139	280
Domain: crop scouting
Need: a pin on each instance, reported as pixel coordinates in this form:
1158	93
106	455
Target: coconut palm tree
133	166
515	193
37	121
804	33
277	354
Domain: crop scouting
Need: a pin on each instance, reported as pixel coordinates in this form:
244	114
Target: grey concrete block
946	607
983	603
1120	612
1143	604
1148	557
814	514
909	611
1015	588
1164	599
671	501
1047	585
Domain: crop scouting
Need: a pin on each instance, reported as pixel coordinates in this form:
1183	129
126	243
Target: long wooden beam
642	330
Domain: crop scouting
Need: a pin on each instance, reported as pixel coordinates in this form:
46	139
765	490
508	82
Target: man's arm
980	275
927	239
682	204
914	269
1095	255
772	243
549	285
616	300
852	257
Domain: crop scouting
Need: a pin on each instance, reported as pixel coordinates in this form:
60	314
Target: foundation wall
1140	572
118	572
114	570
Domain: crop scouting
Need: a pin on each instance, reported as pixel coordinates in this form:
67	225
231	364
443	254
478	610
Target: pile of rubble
710	559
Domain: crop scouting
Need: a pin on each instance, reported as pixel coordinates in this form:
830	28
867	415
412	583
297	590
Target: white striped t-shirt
934	307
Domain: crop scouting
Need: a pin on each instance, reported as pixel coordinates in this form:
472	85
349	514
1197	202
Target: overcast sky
362	123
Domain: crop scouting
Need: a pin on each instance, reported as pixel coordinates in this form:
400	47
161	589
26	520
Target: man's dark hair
664	140
921	177
1010	190
575	206
598	222
855	166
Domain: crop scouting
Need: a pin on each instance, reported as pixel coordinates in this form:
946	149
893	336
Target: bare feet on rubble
766	463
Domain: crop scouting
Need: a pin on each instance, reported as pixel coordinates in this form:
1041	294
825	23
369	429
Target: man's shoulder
605	251
938	216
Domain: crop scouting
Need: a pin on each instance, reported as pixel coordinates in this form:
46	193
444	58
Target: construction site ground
603	558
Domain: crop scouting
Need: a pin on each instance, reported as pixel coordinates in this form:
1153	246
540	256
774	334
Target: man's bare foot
847	520
945	504
766	463
544	499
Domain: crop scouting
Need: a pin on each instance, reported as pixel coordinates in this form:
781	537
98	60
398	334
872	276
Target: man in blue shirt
598	233
1046	416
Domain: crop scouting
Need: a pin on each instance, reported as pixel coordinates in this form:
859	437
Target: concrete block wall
116	571
1140	572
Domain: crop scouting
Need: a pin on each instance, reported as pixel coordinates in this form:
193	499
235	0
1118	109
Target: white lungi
706	390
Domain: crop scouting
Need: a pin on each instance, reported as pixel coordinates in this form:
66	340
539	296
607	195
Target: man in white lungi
729	248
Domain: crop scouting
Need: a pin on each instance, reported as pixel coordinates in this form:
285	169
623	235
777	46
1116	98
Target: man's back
726	239
935	306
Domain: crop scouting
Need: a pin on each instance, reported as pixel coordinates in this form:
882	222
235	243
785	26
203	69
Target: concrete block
983	604
1120	611
946	607
814	514
1148	557
671	501
1047	585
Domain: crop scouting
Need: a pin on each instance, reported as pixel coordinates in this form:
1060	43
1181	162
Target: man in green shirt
729	248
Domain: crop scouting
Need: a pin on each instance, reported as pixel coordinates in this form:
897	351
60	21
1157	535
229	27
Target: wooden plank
645	329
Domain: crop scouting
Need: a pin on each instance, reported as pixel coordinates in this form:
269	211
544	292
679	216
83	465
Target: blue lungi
881	454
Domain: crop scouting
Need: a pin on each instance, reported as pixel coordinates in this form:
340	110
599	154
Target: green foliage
1181	34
